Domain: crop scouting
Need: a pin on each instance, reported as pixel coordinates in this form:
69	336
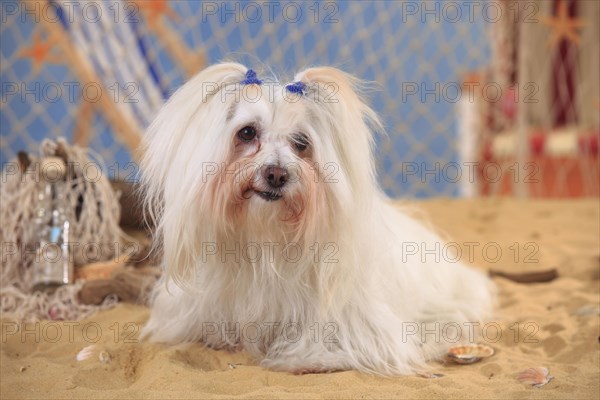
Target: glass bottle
52	266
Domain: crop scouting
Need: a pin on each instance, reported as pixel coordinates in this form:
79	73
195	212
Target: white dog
277	239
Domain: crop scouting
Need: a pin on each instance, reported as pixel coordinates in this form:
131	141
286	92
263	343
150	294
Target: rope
92	208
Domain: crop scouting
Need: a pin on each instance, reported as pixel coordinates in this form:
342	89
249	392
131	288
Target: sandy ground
555	325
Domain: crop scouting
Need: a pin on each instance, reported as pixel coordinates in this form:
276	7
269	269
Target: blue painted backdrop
384	42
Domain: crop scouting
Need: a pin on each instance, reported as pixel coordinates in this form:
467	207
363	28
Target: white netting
92	209
420	53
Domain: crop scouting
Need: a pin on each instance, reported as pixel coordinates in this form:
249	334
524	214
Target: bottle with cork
52	266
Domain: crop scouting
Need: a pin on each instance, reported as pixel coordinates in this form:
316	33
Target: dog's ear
164	138
180	142
338	97
338	89
212	79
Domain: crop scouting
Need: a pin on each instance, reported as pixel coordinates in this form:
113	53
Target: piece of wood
24	161
83	124
125	128
156	13
100	270
191	63
527	277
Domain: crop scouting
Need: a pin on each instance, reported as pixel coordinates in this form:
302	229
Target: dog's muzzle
275	177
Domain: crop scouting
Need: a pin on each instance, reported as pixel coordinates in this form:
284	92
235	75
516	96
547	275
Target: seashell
537	376
104	357
91	351
469	354
586	311
86	352
53	168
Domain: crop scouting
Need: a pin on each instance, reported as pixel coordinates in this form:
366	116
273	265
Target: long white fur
352	294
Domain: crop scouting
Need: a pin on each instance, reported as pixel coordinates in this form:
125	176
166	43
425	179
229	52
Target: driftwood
99	270
527	277
24	160
90	206
128	277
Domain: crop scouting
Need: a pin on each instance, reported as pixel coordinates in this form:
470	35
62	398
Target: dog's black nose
275	176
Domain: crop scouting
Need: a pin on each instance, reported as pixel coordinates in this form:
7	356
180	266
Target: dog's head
234	152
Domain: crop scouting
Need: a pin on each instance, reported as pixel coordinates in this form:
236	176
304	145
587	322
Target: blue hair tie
297	87
251	78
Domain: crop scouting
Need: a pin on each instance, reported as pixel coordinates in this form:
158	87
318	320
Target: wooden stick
101	269
83	122
527	277
191	63
123	126
155	15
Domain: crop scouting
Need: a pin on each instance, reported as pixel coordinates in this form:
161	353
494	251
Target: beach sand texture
553	325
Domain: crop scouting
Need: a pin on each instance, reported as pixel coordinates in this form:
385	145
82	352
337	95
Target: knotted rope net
92	209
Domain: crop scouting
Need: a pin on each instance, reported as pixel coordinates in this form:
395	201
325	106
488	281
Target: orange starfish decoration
40	51
563	26
154	10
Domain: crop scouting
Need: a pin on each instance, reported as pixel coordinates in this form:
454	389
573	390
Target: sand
555	325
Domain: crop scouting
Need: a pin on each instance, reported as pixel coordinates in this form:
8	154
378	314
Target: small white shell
86	352
53	168
537	376
104	357
92	351
469	354
586	311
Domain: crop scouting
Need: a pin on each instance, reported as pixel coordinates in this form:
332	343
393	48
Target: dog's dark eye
300	142
247	133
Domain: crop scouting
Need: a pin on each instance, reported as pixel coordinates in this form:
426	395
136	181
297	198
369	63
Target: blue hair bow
251	78
297	87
